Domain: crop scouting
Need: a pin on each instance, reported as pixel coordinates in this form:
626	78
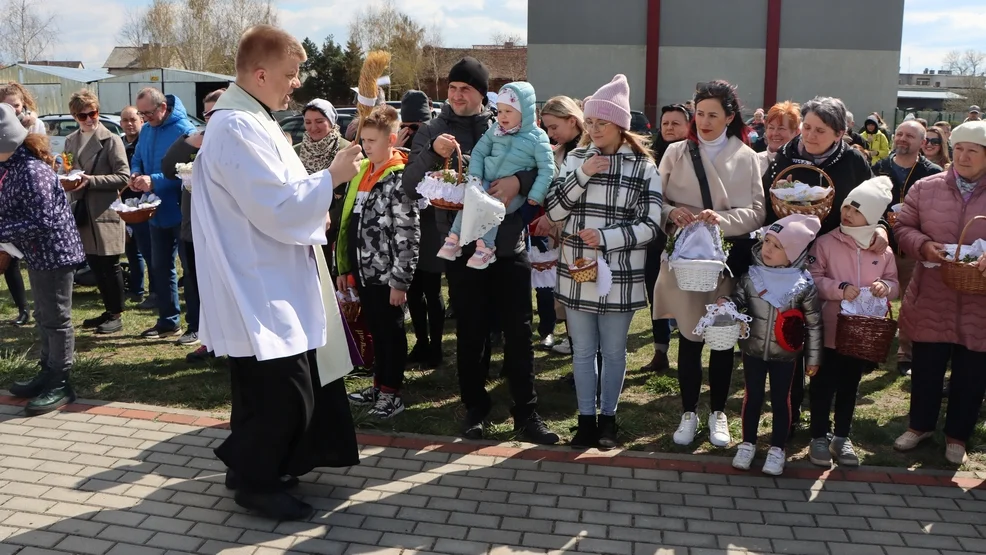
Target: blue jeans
590	333
164	251
489	238
142	240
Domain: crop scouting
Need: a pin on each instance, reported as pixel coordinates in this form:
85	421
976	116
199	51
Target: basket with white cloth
722	326
184	172
698	258
446	188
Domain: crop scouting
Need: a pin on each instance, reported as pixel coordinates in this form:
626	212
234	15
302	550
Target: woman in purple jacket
36	220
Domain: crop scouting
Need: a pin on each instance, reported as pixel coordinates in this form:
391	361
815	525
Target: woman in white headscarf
322	139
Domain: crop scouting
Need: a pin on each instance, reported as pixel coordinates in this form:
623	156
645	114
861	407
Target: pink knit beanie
611	102
795	233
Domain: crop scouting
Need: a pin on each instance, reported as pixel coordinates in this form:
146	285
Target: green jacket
878	142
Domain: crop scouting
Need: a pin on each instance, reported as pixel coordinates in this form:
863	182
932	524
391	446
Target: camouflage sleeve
407	237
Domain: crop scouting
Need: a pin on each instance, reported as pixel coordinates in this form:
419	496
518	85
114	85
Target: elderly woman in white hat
945	325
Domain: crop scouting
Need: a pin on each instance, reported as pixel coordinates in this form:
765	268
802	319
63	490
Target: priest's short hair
262	43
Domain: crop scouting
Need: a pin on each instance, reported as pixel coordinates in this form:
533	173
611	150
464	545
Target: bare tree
435	55
26	32
501	38
970	62
385	27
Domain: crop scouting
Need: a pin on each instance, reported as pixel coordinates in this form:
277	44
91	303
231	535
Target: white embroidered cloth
699	241
480	213
348	296
148	200
800	192
976	249
866	305
544	279
184	172
11	250
433	187
723	315
604	279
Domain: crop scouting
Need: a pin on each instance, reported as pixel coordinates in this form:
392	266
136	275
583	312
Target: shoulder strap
703	181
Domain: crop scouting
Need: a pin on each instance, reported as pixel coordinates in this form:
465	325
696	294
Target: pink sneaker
451	249
482	258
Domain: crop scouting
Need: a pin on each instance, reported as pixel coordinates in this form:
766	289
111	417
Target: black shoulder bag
740	255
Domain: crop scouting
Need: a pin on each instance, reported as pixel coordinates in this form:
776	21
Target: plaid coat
625	207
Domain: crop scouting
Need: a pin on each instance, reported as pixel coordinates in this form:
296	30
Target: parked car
640	123
294	126
62	125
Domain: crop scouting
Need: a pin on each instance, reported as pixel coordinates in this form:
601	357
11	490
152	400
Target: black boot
23	318
607	432
275	505
58	393
233	480
29	389
419	353
435	356
587	434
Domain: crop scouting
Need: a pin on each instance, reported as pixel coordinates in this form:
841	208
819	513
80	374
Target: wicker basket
892	218
819	208
137	216
581	274
963	276
543	266
697	275
442	203
865	337
723	337
5	260
350	310
69	185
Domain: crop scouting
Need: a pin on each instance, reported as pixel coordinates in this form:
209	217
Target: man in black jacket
504	288
905	167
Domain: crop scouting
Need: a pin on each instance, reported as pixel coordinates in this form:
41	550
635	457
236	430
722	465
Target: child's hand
342	283
595	164
592	237
532	202
879	289
811	371
850	293
397	297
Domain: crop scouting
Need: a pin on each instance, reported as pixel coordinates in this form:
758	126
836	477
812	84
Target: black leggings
15	282
424	302
690	375
756	371
838	379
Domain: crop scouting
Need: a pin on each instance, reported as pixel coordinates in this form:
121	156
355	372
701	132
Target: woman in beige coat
100	154
733	173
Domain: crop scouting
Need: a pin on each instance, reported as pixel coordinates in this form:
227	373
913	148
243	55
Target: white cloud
86	32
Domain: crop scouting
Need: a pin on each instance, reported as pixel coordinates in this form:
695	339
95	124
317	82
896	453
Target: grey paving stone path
84	483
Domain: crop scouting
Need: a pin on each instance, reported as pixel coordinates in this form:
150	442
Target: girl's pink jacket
838	260
934	210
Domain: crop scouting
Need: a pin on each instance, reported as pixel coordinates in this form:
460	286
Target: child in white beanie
843	267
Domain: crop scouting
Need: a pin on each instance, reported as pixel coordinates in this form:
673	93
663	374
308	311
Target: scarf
318	155
821	158
500	131
778	286
863	235
965	187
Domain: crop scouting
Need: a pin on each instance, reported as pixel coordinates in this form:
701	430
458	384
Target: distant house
56	63
134	59
507	63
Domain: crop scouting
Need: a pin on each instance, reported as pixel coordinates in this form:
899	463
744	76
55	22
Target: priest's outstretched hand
346	164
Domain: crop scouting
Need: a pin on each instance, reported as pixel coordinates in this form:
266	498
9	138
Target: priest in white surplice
267	299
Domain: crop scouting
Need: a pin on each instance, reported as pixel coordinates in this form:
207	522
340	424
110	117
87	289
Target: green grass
124	367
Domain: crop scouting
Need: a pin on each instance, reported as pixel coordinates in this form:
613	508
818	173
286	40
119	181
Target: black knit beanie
415	107
472	72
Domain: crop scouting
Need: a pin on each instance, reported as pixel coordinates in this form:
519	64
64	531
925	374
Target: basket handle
458	157
561	245
793	167
958	249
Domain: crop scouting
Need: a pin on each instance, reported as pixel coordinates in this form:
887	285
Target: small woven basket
963	277
819	208
723	337
137	216
5	260
350	309
70	184
442	203
891	218
582	274
697	275
865	337
544	266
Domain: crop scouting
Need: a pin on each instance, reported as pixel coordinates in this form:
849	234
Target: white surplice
258	218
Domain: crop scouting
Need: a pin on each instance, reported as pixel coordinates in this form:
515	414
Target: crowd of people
271	235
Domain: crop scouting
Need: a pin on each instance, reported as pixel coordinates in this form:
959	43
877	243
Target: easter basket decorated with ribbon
722	326
446	188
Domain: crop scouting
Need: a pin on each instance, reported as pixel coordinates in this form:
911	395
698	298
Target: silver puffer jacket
762	343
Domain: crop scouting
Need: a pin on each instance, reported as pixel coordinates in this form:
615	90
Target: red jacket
932	313
838	260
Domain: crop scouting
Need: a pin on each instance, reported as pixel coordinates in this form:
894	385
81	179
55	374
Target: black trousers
424	302
109	280
192	300
15	282
838	380
965	394
755	371
502	289
283	423
690	375
652	270
386	323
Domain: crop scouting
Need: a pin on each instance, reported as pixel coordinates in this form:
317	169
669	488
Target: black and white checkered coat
625	206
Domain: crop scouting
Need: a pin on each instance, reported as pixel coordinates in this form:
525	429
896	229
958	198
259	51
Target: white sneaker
744	456
719	429
563	348
775	462
685	434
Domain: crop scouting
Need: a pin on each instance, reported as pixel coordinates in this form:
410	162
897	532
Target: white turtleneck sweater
712	148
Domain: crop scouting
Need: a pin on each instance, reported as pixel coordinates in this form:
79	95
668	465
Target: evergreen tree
352	63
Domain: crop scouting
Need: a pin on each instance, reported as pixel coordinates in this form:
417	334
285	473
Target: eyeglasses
599	125
148	114
934	141
84	116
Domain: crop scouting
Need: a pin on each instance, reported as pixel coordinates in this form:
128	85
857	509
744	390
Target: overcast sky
89	29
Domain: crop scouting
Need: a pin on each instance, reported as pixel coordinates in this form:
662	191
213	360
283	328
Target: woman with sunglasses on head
101	156
935	148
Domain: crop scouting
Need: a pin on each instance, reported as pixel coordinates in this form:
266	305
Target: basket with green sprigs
446	188
963	274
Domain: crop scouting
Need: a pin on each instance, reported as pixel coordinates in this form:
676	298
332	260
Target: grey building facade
772	50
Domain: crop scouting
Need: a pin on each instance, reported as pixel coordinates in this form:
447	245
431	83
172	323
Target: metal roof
80	75
930	95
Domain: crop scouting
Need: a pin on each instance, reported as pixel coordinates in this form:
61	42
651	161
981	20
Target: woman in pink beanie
608	195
